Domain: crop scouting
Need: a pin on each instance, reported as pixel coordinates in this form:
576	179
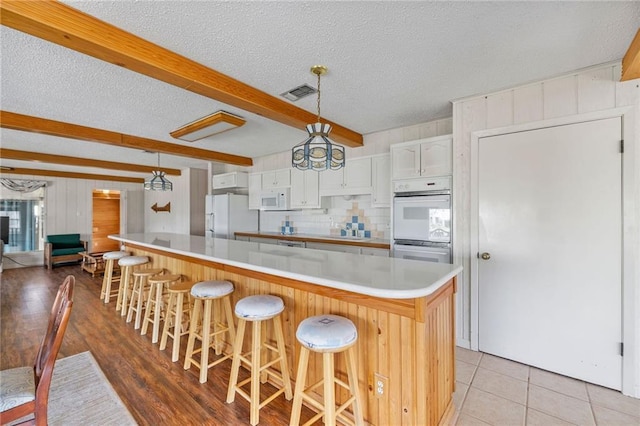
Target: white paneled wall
187	204
593	89
69	202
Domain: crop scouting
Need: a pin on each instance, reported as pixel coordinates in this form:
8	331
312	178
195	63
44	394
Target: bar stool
174	320
327	334
154	303
108	280
138	291
126	267
257	309
206	294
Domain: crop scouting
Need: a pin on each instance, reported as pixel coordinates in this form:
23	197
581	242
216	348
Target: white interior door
550	218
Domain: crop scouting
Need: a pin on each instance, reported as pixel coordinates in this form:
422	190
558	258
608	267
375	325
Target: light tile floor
496	391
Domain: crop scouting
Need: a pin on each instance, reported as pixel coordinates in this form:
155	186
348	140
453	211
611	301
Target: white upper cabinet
435	157
426	157
276	179
405	161
255	188
381	175
304	189
353	178
230	180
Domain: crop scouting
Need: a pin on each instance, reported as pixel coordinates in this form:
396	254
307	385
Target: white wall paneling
69	203
592	92
187	204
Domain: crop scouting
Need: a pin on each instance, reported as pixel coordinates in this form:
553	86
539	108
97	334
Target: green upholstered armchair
63	248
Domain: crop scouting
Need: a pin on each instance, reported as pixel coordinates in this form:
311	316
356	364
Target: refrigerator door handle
211	222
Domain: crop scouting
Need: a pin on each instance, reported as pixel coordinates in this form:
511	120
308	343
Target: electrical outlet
381	384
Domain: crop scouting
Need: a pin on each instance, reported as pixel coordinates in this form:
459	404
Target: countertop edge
354	288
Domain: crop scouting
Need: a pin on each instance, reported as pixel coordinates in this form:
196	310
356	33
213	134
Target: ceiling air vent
299	92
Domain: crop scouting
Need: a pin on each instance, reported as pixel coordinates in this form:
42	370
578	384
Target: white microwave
275	199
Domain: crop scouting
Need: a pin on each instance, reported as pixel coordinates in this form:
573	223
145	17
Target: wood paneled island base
407	344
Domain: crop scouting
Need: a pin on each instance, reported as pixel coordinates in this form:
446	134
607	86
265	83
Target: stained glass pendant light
318	152
158	182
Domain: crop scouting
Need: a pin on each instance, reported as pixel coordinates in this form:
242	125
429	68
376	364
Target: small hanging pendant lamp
318	152
158	182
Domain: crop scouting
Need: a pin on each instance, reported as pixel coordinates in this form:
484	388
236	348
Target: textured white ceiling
391	64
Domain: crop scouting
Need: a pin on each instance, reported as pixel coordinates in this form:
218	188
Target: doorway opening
105	221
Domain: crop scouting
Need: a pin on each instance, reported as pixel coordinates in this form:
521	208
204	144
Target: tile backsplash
341	213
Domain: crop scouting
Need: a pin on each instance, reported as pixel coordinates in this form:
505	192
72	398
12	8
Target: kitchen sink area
340	243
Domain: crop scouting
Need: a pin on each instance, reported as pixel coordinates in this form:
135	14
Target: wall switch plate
380	384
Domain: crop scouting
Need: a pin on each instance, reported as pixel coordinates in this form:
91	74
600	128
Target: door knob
485	256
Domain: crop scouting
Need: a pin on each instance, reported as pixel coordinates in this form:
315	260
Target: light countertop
369	275
329	239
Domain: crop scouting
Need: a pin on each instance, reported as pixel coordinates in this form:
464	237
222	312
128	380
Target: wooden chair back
46	357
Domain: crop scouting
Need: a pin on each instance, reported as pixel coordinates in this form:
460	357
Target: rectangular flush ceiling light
218	122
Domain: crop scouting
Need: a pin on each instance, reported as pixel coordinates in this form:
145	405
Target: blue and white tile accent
287	227
356	223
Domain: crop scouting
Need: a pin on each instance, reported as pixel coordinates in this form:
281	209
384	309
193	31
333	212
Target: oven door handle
420	249
420	200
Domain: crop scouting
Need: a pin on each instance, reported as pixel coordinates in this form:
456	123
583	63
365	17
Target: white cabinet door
405	161
357	173
311	189
381	175
255	187
425	157
304	189
263	240
354	178
298	193
276	179
371	251
230	180
435	158
332	180
334	247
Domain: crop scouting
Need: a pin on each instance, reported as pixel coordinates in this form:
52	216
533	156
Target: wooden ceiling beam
71	28
27	123
70	175
631	60
13	154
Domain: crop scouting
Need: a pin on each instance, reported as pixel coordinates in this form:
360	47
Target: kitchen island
404	312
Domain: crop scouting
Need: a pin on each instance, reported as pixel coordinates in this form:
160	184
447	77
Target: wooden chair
25	390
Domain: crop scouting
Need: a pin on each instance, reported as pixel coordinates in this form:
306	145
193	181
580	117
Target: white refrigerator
226	214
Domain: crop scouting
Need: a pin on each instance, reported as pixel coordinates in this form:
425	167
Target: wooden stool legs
258	362
107	281
121	302
328	409
327	335
174	325
200	328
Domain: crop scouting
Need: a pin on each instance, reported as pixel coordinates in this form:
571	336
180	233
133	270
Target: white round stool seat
259	307
212	289
327	333
133	260
115	255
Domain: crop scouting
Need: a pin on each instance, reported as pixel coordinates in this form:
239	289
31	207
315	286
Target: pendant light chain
318	97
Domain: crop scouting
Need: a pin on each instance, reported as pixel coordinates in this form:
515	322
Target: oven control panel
422	185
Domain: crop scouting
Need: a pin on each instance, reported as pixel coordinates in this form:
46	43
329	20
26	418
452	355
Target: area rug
81	395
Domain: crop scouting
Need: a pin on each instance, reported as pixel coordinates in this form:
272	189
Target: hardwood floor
155	390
